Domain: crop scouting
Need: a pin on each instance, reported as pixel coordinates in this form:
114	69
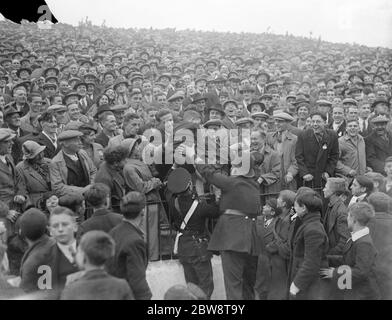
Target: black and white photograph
209	150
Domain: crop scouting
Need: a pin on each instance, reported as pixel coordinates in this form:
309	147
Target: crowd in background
79	107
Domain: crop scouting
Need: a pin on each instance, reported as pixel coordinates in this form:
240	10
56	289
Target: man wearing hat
60	112
189	217
20	103
317	152
48	136
84	102
352	154
248	93
8	183
378	144
71	170
284	142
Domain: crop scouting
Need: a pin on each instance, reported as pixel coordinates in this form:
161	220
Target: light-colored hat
283	116
31	149
263	115
380	119
57	108
69	134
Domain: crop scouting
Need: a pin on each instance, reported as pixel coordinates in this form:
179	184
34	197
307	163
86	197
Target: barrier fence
167	233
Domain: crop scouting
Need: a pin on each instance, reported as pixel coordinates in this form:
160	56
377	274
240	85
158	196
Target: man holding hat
71	170
378	144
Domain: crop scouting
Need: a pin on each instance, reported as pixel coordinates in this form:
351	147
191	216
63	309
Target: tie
72	252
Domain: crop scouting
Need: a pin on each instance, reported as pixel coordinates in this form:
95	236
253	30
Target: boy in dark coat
309	245
131	258
359	258
98	197
95	248
33	225
335	218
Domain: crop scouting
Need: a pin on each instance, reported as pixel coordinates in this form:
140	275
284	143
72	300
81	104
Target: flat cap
213	122
283	116
350	101
69	134
57	108
177	95
244	121
380	119
263	115
323	103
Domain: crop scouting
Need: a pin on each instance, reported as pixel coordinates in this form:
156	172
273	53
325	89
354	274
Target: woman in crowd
33	179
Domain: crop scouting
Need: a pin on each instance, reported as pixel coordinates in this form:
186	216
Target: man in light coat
71	170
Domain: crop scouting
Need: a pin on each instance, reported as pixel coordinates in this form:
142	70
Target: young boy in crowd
62	227
359	258
94	250
131	258
33	226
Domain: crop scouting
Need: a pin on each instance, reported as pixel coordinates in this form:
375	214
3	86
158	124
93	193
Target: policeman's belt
233	212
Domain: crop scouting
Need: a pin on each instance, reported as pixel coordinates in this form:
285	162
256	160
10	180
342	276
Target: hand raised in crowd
12	215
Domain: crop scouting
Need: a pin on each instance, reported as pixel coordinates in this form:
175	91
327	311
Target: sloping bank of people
307	214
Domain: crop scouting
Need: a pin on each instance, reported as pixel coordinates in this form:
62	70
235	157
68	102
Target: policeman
189	216
235	234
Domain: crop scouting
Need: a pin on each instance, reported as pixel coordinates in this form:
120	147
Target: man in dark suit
98	197
359	256
309	245
378	144
131	258
48	136
317	152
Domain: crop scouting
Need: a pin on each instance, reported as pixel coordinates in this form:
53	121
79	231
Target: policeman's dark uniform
235	234
192	245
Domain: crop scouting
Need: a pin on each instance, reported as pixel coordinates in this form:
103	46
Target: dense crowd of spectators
82	108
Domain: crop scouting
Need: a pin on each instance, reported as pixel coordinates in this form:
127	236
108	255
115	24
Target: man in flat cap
71	170
284	142
378	144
